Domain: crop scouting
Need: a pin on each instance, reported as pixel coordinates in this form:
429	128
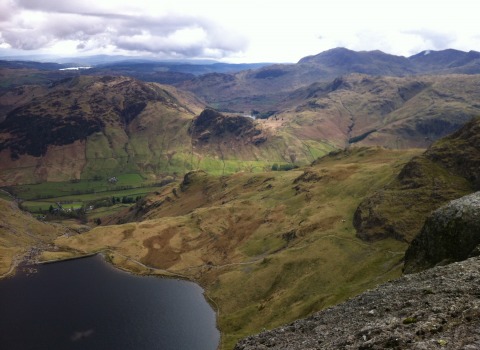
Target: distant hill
376	62
105	124
447	61
269	84
261	86
236	87
45	66
86	126
169	72
396	112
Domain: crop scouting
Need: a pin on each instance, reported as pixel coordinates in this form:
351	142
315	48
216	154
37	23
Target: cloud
42	24
434	39
246	30
7	9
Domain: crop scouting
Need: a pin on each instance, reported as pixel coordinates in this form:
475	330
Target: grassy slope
384	111
446	171
18	233
387	111
268	247
157	142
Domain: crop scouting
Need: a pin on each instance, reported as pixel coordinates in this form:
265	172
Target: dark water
87	304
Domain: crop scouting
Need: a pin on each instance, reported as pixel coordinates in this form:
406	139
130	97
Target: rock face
434	309
451	233
212	125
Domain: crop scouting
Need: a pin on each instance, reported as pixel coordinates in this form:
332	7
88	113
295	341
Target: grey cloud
26	42
70	6
437	40
95	29
7	9
73	27
162	48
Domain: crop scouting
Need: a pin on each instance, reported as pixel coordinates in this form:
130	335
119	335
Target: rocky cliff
212	126
435	309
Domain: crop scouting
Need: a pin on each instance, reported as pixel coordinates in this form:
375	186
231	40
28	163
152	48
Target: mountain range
110	125
236	91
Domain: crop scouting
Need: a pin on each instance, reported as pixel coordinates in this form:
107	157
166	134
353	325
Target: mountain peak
328	54
365	62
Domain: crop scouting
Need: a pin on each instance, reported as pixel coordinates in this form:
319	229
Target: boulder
451	233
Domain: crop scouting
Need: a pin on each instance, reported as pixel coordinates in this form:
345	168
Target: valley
281	189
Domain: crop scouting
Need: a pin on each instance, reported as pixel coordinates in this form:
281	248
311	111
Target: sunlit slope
86	126
19	232
384	111
365	110
449	169
268	247
100	127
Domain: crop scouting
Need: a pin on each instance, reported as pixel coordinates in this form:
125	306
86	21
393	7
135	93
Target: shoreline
53	261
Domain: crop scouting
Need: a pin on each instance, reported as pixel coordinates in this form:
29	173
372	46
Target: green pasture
52	190
77	201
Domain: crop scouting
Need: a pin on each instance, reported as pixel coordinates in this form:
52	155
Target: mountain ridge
146	127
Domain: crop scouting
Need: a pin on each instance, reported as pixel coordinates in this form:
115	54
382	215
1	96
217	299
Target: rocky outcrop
211	125
451	233
434	309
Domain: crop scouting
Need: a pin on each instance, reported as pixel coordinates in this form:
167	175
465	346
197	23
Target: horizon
45	58
234	32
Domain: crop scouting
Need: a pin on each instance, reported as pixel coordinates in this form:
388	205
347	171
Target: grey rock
450	233
435	309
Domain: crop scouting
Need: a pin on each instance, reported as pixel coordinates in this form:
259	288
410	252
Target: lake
88	304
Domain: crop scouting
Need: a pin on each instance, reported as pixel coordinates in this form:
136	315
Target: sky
236	31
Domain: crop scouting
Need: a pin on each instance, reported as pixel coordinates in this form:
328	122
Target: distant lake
88	304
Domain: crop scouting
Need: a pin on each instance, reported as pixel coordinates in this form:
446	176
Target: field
97	198
67	188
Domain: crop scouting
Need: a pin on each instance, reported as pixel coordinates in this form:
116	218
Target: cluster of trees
108	202
283	167
70	213
262	115
80	213
125	200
